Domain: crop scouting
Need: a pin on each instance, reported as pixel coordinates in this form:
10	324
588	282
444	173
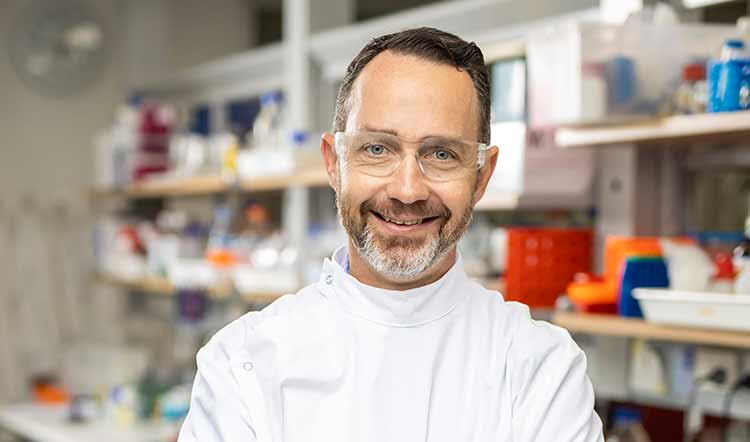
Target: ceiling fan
57	48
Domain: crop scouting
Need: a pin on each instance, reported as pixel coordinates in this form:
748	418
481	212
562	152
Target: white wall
162	36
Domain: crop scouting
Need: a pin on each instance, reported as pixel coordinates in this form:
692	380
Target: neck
365	274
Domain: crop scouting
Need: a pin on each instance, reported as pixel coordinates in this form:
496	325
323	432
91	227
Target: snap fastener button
329	279
248	366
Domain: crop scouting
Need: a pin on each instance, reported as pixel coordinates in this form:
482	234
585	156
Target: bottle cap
299	137
270	97
694	72
724	266
734	43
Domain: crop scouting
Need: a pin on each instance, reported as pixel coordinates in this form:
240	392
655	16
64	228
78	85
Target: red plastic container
542	262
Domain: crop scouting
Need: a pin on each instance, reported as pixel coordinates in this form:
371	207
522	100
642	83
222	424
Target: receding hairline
399	52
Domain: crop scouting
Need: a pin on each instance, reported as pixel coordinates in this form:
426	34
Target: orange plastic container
594	295
618	248
542	262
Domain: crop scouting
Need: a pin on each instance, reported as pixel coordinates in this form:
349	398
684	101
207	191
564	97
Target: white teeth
403	223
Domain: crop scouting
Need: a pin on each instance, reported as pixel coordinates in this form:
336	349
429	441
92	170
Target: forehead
414	98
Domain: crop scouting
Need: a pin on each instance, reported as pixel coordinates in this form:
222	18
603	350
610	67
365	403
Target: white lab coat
346	362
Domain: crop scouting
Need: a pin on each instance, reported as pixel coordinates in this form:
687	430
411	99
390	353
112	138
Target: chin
401	262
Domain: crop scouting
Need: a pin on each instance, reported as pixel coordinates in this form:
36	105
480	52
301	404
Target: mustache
395	209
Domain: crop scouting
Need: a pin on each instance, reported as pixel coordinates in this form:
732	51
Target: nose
407	184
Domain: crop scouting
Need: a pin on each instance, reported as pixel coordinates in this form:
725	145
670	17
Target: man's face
412	98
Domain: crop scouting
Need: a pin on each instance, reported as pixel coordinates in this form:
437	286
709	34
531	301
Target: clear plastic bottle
628	427
692	94
267	127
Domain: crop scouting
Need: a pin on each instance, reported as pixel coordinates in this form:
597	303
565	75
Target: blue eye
443	155
375	149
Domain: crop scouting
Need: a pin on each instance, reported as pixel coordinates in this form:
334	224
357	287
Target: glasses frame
340	150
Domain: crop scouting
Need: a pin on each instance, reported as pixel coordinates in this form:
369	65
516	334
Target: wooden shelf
313	177
160	286
160	188
611	325
207	185
674	130
154	285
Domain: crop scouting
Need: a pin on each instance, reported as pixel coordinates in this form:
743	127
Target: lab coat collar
394	308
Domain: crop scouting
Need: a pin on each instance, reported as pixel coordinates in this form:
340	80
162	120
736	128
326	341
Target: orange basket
592	295
541	263
618	248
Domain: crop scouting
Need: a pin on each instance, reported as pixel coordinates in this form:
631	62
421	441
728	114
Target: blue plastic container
640	272
728	85
622	86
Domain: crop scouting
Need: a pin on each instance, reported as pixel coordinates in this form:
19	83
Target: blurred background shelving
679	130
215	185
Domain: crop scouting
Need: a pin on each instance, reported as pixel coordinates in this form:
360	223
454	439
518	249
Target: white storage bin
695	309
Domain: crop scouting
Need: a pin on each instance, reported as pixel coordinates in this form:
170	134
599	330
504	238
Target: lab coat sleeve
217	411
554	399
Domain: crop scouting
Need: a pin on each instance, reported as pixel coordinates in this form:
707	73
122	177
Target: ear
485	173
330	158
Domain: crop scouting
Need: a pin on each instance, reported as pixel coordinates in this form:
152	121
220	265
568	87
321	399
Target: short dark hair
432	45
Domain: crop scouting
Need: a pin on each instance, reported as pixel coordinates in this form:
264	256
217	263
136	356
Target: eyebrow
395	133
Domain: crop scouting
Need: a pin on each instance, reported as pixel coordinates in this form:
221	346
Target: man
395	343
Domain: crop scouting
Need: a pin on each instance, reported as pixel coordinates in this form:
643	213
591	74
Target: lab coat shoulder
220	410
553	398
217	411
244	333
241	334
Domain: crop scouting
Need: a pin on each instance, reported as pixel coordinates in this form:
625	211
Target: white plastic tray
695	309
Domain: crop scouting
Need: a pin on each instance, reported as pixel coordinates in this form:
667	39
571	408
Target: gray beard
399	259
401	263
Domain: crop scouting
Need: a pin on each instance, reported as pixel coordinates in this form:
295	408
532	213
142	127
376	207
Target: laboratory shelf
611	325
154	285
160	188
310	177
207	185
674	130
161	287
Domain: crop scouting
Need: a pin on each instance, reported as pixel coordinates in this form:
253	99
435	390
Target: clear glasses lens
440	159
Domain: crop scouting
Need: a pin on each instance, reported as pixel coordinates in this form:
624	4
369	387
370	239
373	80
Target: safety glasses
380	154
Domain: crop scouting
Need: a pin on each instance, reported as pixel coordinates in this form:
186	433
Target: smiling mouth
404	222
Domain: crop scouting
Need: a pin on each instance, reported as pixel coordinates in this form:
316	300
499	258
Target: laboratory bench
49	423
